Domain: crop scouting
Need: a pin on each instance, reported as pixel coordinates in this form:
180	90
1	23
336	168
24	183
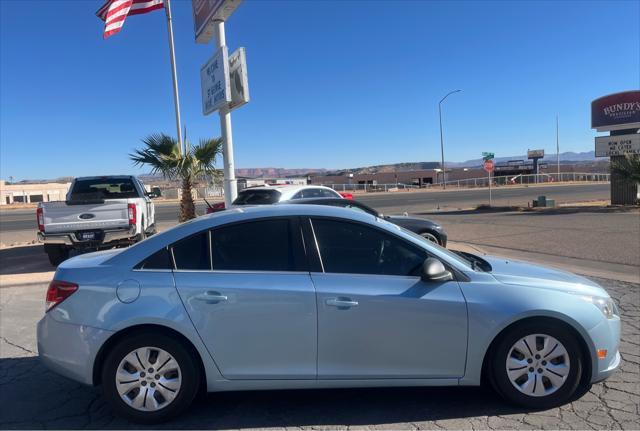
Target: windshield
103	188
257	197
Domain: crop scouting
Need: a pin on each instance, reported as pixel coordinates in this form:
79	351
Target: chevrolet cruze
310	296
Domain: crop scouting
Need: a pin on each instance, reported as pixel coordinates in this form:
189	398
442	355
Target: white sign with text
214	78
607	146
239	81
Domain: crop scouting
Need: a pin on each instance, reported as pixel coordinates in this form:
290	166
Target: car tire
56	254
140	397
430	237
555	358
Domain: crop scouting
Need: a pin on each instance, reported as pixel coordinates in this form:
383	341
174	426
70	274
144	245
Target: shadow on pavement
33	397
24	260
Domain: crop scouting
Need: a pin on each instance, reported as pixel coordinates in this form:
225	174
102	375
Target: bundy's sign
239	81
607	146
214	78
617	111
206	12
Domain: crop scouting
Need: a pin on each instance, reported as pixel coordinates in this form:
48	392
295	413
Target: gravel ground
33	397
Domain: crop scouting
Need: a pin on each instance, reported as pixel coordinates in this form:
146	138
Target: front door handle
211	297
341	303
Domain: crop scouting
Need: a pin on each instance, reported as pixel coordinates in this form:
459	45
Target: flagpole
176	97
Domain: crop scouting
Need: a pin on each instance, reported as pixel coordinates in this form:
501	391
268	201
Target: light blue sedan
310	296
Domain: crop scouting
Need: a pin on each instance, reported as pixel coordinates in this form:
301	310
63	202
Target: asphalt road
33	397
24	219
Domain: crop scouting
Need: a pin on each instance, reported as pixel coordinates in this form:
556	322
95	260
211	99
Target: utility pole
230	183
444	175
557	148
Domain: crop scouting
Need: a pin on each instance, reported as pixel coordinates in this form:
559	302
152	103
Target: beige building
37	192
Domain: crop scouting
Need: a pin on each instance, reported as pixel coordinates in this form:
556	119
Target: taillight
218	206
346	195
132	210
40	217
58	291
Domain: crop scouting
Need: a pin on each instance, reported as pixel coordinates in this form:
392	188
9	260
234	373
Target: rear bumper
69	350
70	239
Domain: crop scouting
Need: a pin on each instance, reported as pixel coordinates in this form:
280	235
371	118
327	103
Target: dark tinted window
158	260
192	252
353	248
257	197
329	193
264	245
104	188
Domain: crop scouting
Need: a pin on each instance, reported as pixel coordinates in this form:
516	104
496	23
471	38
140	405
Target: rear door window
192	253
261	245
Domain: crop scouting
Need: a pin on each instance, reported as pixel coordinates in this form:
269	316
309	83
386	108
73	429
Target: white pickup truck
99	212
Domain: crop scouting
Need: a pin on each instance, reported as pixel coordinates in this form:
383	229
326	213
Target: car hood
520	273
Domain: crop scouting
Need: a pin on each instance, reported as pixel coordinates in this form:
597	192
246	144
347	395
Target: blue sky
333	84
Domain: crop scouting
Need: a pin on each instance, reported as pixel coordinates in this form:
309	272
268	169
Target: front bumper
69	350
71	239
605	335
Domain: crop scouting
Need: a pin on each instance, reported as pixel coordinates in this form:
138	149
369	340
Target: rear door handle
342	303
211	297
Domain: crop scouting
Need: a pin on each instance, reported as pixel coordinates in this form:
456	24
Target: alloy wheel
148	379
538	365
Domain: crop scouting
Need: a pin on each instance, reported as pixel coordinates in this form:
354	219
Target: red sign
616	111
488	166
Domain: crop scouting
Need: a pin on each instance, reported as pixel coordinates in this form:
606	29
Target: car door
250	296
376	317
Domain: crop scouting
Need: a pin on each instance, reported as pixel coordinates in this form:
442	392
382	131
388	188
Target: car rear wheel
537	365
150	377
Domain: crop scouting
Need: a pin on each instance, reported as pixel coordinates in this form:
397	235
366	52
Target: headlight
606	305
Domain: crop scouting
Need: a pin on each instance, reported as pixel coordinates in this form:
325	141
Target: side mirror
434	270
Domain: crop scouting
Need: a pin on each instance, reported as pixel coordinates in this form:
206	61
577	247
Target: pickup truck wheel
56	253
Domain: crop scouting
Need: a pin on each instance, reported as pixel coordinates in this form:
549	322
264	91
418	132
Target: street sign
205	12
488	166
239	81
487	156
214	78
607	146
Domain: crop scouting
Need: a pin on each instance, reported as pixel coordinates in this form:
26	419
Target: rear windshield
257	197
103	188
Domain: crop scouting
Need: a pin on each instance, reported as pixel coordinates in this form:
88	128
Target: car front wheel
150	377
430	237
537	365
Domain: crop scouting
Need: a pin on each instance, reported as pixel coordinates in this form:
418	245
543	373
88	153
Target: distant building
32	192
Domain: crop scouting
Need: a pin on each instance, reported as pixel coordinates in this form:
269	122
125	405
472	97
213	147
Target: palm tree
162	154
628	168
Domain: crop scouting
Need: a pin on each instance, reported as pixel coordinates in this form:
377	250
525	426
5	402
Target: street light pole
444	175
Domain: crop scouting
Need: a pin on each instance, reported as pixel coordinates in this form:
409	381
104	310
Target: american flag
114	12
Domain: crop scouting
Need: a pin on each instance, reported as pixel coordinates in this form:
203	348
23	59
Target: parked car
314	296
430	230
267	195
99	212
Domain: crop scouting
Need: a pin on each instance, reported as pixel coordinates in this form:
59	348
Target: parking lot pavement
33	397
